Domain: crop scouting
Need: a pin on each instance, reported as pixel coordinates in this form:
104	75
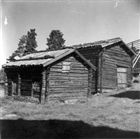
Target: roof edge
128	48
83	58
66	54
58	57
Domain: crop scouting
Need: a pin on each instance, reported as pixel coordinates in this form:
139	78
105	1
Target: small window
66	67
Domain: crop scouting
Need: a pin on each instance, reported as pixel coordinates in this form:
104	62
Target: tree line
28	44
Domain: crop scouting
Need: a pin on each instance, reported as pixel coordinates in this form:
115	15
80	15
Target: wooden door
122	77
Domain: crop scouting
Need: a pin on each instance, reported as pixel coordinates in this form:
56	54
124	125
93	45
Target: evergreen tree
21	48
55	40
31	42
27	44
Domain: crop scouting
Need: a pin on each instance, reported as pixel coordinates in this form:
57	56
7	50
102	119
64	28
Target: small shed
113	59
60	74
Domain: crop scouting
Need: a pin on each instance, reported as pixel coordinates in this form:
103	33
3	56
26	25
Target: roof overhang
68	53
46	62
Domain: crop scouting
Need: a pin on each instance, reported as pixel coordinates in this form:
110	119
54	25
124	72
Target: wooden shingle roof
45	58
103	44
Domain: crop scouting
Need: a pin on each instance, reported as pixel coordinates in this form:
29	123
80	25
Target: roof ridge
138	40
96	43
106	40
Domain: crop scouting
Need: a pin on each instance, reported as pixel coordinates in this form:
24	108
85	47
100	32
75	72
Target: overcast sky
80	21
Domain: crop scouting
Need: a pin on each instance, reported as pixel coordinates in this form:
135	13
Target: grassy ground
109	115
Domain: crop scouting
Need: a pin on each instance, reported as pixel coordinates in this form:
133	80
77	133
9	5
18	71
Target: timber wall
72	84
113	57
92	54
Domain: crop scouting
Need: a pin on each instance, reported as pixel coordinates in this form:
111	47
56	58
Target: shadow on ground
128	94
60	129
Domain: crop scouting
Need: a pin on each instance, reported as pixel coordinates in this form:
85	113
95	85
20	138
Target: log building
48	75
113	59
73	72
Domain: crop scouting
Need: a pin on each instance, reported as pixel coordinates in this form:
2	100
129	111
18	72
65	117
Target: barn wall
73	84
92	54
114	57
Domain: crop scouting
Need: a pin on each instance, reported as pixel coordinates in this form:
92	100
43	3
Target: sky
81	21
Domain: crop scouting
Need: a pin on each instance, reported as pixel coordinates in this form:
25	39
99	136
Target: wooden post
89	82
32	91
32	84
5	85
12	88
47	83
101	71
43	87
19	85
9	88
96	74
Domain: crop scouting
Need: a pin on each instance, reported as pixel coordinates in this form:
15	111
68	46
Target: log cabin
50	75
113	59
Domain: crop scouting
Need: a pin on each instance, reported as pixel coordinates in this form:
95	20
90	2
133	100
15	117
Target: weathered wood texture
107	62
114	57
44	86
19	85
92	54
68	84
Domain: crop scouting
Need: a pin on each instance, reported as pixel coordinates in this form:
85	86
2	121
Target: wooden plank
116	56
64	78
76	81
57	74
43	87
9	87
67	94
19	85
47	83
32	91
